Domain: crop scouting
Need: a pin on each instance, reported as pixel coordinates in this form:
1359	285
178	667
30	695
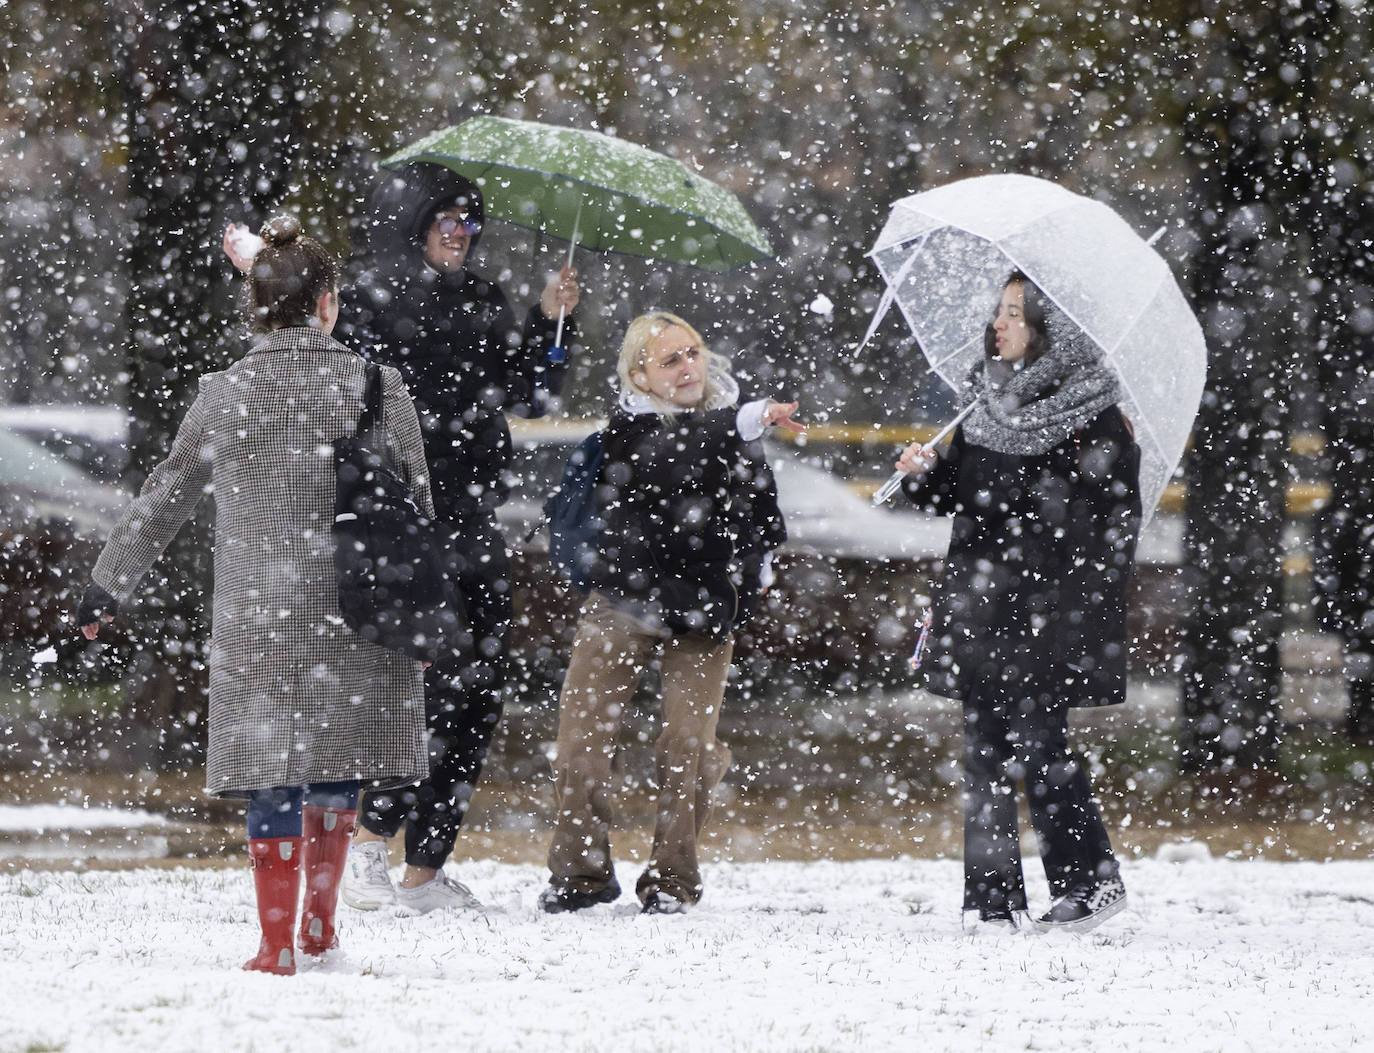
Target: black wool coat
1034	586
689	510
466	360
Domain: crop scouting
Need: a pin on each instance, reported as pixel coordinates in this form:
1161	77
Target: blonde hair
635	346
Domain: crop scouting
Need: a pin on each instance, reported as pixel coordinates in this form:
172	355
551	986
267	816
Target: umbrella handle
558	336
895	481
889	488
572	247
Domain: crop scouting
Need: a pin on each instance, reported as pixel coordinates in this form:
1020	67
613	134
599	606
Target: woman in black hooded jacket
1029	621
468	361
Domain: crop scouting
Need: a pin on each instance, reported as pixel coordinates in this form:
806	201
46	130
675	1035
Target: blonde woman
690	513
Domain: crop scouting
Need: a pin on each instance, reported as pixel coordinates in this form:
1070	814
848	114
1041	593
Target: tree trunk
1235	508
1341	217
1236	470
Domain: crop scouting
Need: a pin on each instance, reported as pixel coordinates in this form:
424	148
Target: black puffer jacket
466	360
1041	552
690	510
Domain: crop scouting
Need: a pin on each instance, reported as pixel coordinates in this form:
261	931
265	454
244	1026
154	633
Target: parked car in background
823	514
94	438
53	517
853	580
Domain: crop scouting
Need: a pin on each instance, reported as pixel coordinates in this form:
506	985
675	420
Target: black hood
403	202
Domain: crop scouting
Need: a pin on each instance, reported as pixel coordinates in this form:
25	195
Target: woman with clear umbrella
1042	479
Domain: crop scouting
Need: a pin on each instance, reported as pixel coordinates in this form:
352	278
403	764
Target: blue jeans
276	811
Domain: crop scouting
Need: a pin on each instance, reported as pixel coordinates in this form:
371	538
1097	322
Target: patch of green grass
48	701
1329	753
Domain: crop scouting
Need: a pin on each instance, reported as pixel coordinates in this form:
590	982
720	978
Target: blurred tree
214	93
59	225
1339	204
1248	100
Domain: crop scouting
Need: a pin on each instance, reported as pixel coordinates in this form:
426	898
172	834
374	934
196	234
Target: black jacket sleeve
95	603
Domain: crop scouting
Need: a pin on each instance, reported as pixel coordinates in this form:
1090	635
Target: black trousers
464	690
1017	731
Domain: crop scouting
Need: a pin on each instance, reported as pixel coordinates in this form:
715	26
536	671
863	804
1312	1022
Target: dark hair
1034	316
289	274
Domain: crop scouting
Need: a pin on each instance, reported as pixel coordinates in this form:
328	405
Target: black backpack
572	515
390	560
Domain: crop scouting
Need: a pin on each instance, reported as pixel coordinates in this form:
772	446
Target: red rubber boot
328	832
276	863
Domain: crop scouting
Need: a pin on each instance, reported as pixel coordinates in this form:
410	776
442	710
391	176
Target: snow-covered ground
69	831
42	818
1212	955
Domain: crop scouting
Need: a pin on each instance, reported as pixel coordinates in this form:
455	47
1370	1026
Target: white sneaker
366	883
441	893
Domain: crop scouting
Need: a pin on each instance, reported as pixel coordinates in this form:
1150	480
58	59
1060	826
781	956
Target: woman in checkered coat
302	710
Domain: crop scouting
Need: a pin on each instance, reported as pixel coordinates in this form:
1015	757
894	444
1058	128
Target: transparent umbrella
945	255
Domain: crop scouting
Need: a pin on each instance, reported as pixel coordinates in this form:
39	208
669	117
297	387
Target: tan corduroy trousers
610	652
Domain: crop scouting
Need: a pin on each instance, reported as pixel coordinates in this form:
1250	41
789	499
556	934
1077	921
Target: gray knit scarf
1030	411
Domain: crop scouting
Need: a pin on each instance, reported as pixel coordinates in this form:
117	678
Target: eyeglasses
449	225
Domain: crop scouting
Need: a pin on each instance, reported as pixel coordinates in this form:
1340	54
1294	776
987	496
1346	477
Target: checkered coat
295	696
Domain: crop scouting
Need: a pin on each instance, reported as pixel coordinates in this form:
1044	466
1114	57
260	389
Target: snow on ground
39	818
1212	955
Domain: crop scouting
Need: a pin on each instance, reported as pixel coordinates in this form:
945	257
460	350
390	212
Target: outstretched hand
779	415
91	629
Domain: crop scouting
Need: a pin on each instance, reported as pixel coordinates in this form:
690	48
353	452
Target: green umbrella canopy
604	193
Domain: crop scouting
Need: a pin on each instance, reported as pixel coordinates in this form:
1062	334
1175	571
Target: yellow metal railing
1303	498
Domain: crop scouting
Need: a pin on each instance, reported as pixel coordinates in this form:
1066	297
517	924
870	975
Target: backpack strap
372	400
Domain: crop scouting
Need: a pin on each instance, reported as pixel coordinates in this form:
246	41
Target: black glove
95	604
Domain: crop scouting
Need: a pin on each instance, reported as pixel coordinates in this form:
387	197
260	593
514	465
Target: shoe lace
1084	893
1080	894
457	887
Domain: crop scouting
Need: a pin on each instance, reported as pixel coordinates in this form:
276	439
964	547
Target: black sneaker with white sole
1084	907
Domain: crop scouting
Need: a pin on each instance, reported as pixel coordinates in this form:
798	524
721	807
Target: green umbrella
595	191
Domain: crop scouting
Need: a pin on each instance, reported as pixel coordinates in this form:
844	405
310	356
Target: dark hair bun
280	230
